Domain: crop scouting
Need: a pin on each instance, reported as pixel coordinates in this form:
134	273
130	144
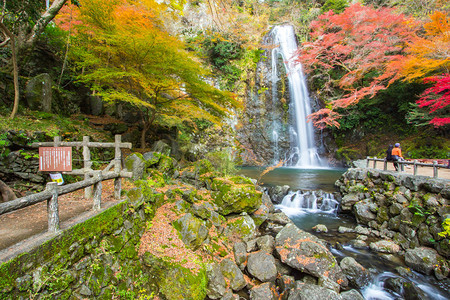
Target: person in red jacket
396	155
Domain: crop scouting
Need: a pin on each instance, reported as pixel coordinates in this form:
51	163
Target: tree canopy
126	55
350	52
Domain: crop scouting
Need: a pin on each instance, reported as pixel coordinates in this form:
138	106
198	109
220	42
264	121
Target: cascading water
308	201
303	149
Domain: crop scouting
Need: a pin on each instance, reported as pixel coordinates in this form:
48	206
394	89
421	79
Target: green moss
203	166
166	164
232	198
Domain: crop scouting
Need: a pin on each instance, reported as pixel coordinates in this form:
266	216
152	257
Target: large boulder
363	212
424	260
243	226
216	282
306	253
38	93
385	246
351	295
161	147
305	291
264	291
235	195
193	230
135	163
262	266
240	253
356	274
234	275
348	201
407	289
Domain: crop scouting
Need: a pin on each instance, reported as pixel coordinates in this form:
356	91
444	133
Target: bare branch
46	17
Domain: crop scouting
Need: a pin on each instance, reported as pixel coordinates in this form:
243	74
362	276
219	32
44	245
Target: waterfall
309	201
303	151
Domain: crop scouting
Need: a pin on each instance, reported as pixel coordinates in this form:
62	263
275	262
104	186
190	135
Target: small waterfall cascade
310	201
303	151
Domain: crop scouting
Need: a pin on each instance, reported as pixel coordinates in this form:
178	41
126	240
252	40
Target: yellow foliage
428	54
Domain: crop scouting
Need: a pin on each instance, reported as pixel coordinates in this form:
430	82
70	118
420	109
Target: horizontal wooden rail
52	191
80	144
402	163
60	190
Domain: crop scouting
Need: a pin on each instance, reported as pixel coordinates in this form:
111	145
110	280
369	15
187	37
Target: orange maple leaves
358	43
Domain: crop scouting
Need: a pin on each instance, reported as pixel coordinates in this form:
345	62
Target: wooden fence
92	182
416	164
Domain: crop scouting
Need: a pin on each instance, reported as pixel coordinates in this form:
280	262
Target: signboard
55	159
57	177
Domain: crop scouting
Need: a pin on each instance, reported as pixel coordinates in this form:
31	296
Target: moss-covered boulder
135	163
175	281
193	230
242	226
232	197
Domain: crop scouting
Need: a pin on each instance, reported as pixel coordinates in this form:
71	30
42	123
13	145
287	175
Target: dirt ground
19	225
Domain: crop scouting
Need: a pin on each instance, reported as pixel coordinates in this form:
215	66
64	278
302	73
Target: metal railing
402	163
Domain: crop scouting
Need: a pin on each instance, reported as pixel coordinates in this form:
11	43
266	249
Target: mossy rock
193	230
175	281
235	198
166	165
135	163
203	166
151	159
244	226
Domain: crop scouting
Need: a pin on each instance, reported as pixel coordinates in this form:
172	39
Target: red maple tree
437	99
350	52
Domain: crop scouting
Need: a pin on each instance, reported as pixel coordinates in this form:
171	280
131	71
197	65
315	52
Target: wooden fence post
56	141
87	164
415	167
52	208
368	160
385	165
97	190
117	166
435	169
375	162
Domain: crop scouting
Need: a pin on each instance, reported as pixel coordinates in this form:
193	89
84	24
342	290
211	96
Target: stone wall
404	208
22	165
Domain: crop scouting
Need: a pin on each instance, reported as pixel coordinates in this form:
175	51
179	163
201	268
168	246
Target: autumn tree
437	100
348	55
428	60
125	55
21	24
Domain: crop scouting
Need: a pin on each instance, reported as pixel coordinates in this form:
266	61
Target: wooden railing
92	182
416	164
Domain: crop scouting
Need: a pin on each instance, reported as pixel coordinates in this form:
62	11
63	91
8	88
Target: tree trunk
43	21
6	193
12	41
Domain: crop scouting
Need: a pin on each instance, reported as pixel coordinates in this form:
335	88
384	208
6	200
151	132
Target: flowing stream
311	201
303	152
308	207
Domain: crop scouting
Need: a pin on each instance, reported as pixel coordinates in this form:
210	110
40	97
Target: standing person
396	155
389	153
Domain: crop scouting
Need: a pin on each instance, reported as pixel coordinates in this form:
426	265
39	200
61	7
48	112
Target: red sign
55	159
